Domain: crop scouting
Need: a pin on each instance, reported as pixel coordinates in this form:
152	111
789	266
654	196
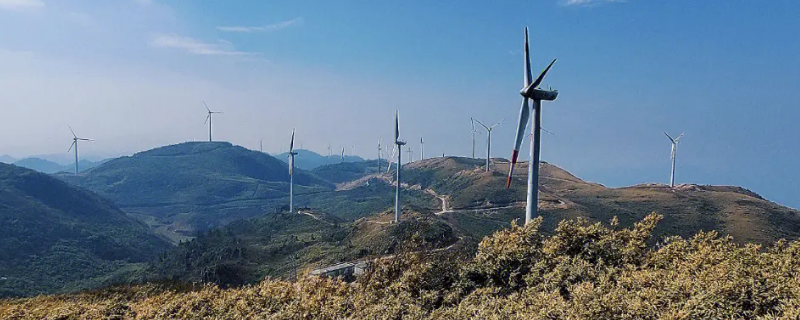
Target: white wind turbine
399	143
410	155
473	133
421	149
674	151
74	145
208	119
380	141
531	91
291	173
342	160
489	140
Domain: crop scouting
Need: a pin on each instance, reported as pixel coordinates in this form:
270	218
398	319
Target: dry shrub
583	271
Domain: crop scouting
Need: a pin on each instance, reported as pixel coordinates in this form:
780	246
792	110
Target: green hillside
55	237
189	187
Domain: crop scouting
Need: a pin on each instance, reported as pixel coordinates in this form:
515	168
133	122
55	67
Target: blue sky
133	73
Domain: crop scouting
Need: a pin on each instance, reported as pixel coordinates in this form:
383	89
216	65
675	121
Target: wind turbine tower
400	145
488	140
291	173
74	145
342	160
531	91
410	155
674	151
208	120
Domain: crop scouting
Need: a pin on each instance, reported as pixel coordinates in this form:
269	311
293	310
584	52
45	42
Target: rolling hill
687	209
189	187
55	237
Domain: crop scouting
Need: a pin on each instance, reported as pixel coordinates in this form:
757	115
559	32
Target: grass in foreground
582	271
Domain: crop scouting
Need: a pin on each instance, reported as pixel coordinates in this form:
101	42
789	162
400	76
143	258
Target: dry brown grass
582	271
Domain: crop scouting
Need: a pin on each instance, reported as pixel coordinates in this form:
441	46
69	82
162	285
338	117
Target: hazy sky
132	74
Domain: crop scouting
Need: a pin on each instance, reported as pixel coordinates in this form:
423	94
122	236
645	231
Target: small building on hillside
344	270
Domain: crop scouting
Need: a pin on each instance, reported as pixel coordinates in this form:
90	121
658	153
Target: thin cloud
21	4
267	28
195	46
586	3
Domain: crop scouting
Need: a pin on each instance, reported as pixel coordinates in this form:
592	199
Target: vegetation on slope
197	186
582	271
56	238
279	245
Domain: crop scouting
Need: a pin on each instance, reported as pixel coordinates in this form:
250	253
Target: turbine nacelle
539	94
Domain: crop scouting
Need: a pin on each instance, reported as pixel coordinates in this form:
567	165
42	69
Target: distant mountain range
46	166
7	159
55	237
308	160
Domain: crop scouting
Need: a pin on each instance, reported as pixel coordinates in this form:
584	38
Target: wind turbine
473	133
261	145
380	141
74	145
208	119
674	150
531	91
410	155
291	173
489	140
342	161
421	149
400	145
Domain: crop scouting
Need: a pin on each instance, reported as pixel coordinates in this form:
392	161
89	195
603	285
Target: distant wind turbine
674	151
342	155
291	173
208	120
410	155
473	133
489	140
380	141
531	91
400	145
421	149
261	145
74	145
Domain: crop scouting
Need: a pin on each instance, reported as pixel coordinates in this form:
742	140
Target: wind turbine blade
539	80
70	146
524	111
207	117
73	132
498	123
670	138
204	104
291	144
84	139
472	121
527	64
396	125
481	123
678	138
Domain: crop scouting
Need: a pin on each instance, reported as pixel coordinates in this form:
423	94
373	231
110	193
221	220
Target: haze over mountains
308	160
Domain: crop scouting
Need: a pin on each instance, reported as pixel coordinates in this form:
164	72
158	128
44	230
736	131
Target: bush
582	271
